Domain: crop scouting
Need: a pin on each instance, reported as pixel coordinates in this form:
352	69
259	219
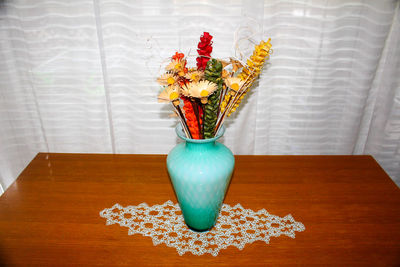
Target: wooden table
349	206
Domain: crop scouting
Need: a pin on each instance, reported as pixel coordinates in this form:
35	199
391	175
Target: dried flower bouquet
213	90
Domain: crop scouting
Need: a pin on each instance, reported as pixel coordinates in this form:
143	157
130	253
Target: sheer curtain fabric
79	76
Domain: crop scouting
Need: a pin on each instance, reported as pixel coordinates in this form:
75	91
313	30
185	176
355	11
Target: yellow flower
234	83
176	66
167	79
194	76
201	89
236	65
169	94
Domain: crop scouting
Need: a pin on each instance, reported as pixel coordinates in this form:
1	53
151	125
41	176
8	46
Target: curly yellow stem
251	71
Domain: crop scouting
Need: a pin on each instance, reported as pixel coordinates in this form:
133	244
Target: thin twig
230	104
182	119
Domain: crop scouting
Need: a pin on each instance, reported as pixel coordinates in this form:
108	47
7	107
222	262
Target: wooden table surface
348	204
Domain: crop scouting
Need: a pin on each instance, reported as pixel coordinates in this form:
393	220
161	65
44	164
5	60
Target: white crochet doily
236	226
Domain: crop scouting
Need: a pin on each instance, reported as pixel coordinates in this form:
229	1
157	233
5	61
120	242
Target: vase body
200	171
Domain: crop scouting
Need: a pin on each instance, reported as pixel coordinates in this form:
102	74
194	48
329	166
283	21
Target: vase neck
200	146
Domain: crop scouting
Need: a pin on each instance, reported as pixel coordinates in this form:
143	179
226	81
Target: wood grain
349	206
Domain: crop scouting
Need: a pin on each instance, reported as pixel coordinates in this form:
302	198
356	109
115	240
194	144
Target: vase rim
181	135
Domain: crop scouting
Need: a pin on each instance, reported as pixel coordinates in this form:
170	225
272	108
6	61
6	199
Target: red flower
178	56
204	51
202	61
202	45
206	37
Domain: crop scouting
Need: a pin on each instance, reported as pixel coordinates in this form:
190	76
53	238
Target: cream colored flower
169	94
234	83
176	66
225	74
201	89
167	79
236	64
194	76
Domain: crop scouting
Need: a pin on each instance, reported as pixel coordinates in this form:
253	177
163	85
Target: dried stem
221	97
221	118
185	128
230	104
204	113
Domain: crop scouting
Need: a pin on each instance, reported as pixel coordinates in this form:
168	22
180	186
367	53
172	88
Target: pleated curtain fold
79	76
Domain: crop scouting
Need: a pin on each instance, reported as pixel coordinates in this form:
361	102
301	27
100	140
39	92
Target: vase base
198	230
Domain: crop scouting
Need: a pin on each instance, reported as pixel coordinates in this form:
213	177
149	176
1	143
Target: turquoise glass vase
200	171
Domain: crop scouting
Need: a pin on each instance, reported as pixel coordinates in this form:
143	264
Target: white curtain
79	76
